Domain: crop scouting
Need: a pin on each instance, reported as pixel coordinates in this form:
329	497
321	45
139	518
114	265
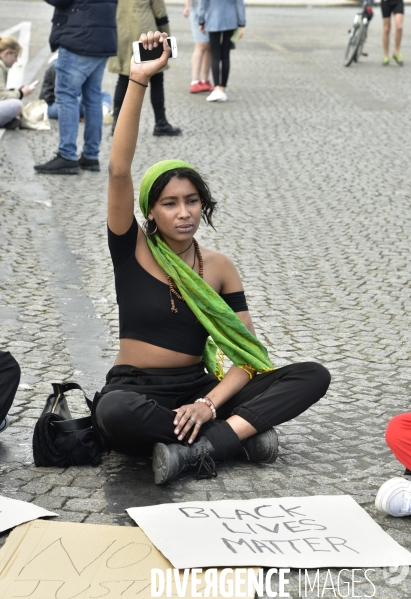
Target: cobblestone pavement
308	162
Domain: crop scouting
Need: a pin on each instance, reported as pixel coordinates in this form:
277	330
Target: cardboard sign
45	560
288	532
14	512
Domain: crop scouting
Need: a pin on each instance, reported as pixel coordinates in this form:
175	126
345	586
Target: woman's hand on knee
189	419
146	70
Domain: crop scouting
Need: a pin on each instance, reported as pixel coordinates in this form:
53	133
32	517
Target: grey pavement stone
307	160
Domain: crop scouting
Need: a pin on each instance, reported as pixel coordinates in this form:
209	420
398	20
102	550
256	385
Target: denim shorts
197	35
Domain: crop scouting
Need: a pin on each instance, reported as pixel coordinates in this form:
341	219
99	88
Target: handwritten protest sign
296	532
14	512
45	560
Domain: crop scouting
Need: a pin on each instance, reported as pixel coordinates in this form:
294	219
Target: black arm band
236	301
162	21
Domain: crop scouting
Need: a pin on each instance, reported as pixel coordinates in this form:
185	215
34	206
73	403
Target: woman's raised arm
120	187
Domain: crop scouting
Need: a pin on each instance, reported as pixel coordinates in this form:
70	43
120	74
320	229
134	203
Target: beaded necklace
173	288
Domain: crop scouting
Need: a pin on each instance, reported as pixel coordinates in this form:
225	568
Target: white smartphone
141	55
34	84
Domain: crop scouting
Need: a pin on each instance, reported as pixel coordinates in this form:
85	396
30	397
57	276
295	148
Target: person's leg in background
220	63
386	27
398	438
225	57
10	109
394	496
9	381
119	95
162	126
93	116
201	57
398	21
71	72
215	48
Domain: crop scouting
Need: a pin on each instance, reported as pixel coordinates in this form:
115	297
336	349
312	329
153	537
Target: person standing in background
220	18
201	58
84	32
133	18
389	7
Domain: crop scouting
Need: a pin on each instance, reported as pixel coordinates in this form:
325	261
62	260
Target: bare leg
241	427
206	62
196	60
398	20
386	25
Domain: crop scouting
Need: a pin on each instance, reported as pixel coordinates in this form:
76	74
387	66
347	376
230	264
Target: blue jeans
77	75
53	112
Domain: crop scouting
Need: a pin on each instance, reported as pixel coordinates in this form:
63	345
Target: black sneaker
88	164
58	166
13	124
163	127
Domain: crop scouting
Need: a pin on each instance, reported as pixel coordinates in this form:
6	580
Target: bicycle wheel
354	41
361	41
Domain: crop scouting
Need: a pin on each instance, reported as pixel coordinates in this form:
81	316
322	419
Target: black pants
220	54
156	94
135	407
9	381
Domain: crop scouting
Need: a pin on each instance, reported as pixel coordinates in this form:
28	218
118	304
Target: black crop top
144	302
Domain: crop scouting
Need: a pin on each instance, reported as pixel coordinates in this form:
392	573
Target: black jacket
85	27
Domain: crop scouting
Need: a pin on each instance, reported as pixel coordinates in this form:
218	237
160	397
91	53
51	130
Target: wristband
208	403
138	82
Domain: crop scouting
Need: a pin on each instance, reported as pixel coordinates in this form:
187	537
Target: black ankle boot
219	443
163	127
261	448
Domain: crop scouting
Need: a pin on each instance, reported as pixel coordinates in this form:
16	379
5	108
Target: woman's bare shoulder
222	268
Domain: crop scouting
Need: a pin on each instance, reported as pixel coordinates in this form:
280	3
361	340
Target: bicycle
358	33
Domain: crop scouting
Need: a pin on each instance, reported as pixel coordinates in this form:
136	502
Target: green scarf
228	335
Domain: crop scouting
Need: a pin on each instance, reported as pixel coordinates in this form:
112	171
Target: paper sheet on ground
14	512
296	532
45	560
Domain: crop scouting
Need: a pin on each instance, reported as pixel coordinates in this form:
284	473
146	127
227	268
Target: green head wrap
228	335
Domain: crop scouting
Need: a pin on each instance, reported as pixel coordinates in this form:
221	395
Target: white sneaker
4	424
394	498
217	96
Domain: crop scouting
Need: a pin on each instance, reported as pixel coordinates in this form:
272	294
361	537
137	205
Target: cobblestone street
308	161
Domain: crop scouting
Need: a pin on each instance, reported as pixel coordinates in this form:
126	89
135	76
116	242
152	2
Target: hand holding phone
34	84
141	54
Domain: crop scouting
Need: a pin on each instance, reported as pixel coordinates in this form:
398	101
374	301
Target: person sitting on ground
9	382
11	106
201	57
47	93
167	387
394	496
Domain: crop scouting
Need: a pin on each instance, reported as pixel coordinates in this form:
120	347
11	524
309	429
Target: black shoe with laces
261	448
88	164
163	127
58	166
169	461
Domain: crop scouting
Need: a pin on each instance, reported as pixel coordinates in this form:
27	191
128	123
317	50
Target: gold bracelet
138	82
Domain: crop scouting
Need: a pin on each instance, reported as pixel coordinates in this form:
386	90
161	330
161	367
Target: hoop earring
153	232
